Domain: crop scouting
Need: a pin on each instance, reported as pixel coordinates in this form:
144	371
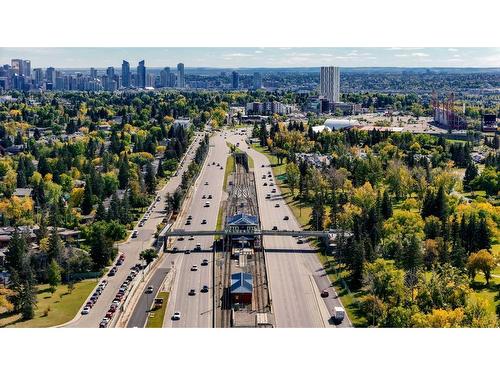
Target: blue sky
256	57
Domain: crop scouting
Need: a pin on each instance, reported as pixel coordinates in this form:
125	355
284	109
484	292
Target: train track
226	284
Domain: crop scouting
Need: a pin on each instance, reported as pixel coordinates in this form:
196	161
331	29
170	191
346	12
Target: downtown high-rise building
141	75
50	75
180	73
257	81
125	74
236	80
329	83
93	73
21	67
38	75
165	80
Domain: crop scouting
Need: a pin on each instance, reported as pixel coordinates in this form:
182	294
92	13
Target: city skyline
79	58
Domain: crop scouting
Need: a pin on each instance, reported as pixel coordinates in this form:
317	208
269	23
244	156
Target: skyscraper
110	72
165	77
236	80
257	81
141	75
21	67
329	85
180	71
50	75
93	73
38	76
125	74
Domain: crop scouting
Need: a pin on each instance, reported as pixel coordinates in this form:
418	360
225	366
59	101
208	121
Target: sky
256	57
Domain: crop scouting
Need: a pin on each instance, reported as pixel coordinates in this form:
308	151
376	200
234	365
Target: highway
294	270
132	248
196	311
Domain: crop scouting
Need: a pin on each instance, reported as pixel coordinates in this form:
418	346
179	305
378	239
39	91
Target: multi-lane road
295	273
296	276
197	310
133	246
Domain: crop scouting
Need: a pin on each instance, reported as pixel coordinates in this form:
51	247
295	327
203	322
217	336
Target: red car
109	315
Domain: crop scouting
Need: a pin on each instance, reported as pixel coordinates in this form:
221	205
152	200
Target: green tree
150	179
148	255
292	176
87	202
54	250
54	275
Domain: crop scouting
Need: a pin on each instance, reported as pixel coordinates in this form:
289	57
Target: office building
330	83
21	67
93	73
38	73
165	77
50	75
236	80
257	81
125	74
180	72
110	72
141	75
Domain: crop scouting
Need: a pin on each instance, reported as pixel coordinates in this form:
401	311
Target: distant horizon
259	58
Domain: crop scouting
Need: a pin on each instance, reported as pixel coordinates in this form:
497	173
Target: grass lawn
155	319
63	306
230	167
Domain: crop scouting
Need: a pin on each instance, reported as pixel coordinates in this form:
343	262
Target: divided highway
196	310
296	276
132	248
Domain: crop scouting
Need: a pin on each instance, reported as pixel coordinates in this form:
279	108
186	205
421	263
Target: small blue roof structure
242	219
241	282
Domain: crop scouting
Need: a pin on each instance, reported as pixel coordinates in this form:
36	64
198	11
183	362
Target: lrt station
241	293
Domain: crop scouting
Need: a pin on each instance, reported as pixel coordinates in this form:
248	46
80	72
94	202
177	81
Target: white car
176	316
85	310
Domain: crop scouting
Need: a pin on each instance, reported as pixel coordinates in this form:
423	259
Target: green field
155	319
63	306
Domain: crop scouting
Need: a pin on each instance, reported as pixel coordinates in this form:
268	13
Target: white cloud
420	54
258	51
238	54
452	49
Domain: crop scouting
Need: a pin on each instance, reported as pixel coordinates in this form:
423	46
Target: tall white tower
329	83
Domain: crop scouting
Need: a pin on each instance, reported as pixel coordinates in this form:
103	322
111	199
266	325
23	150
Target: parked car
192	292
149	289
204	262
275	228
324	293
134	234
194	268
187	251
204	221
204	289
277	205
286	218
85	310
